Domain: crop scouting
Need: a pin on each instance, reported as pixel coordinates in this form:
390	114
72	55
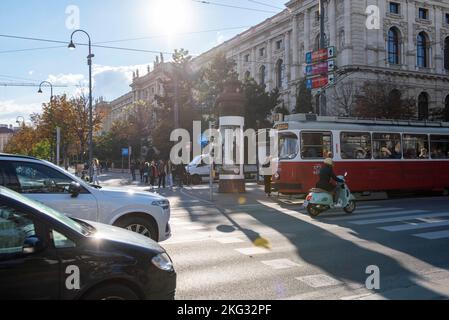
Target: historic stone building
405	43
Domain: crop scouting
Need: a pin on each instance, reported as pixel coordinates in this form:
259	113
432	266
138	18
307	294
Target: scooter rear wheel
314	210
350	208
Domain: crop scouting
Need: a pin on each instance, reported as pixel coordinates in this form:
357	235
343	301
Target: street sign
125	152
320	55
318	82
320	68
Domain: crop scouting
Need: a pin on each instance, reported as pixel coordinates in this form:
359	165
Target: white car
142	212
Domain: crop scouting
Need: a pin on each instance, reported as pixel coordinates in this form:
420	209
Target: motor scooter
318	200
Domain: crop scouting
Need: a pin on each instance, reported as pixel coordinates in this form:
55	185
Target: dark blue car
46	255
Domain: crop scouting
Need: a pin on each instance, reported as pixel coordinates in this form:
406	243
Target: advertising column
231	123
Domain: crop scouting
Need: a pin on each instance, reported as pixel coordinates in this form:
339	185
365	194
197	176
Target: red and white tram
379	155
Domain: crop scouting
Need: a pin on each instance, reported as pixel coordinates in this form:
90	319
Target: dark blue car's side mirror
32	244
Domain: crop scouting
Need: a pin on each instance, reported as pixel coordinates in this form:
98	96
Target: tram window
415	146
387	146
439	147
288	146
316	145
355	145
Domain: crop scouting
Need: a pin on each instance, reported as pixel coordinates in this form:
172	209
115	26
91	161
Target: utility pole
176	109
322	94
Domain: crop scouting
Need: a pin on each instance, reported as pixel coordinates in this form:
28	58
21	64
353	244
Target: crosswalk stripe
415	226
434	235
319	281
401	218
378	210
229	240
280	264
389	213
252	250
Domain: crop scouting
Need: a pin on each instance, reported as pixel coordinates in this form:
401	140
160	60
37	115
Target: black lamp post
51	100
89	63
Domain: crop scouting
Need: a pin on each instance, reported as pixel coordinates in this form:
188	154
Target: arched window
280	74
393	46
262	74
446	53
423	106
423	49
247	75
446	109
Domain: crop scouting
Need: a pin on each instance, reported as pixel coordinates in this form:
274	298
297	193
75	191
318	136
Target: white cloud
31	72
11	109
69	79
111	82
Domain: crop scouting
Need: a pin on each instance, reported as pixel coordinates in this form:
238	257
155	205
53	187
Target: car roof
17	156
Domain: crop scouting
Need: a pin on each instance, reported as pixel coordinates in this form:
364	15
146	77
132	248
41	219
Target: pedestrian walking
133	171
162	174
169	173
142	170
146	172
267	176
153	173
95	171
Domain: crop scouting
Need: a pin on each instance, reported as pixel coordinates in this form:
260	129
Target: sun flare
170	16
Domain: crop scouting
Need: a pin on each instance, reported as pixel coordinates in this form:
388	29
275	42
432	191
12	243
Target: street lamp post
89	63
23	121
51	100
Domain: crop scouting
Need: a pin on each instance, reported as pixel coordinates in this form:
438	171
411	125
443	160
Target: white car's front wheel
140	225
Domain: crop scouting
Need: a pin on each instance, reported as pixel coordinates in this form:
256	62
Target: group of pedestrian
156	172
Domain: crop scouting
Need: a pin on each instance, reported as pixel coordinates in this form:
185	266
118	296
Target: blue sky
106	21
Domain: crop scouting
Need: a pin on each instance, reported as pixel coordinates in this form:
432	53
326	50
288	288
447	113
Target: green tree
259	105
211	82
304	98
178	87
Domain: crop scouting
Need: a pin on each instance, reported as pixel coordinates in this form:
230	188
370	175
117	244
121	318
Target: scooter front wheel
350	208
314	210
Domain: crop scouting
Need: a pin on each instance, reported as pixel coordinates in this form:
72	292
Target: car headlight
163	262
165	204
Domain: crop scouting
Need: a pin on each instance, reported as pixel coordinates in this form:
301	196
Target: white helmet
329	162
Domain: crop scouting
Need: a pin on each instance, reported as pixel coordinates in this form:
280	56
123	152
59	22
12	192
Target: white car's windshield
72	224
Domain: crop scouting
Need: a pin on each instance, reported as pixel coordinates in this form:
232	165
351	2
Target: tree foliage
379	99
304	98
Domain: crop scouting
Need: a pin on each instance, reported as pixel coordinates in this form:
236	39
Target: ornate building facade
404	43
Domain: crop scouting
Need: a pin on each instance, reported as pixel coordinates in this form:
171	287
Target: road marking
319	281
180	223
402	218
281	264
252	250
229	240
355	216
416	226
356	297
434	235
196	228
377	210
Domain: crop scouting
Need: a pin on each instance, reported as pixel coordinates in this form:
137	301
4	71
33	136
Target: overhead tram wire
265	4
232	6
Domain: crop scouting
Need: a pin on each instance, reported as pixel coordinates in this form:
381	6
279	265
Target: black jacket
326	175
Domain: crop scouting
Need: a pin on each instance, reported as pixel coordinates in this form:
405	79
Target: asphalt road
253	247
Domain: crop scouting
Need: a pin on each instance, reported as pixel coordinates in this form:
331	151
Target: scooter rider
326	175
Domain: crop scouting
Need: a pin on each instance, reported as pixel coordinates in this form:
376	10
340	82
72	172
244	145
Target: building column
306	31
332	23
270	66
411	50
253	62
295	49
287	60
239	66
382	56
439	46
348	33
